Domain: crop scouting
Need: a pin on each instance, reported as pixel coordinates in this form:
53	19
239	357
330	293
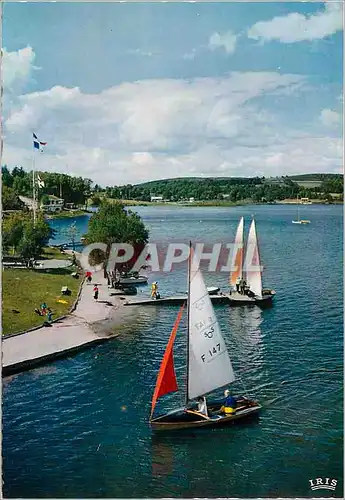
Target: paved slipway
88	324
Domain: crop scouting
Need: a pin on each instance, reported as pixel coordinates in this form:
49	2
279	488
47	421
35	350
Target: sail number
211	352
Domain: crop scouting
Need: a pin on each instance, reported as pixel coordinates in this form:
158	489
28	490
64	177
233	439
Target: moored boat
249	269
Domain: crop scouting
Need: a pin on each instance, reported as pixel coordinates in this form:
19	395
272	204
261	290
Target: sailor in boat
202	406
243	286
229	406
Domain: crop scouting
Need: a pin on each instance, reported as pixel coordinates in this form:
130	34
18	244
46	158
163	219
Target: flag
40	182
38	144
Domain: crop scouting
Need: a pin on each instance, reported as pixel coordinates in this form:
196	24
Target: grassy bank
23	290
66	214
54	253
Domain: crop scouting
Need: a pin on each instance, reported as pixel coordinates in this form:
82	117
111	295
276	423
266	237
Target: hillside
231	189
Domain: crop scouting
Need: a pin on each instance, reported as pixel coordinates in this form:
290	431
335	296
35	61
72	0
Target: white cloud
168	128
298	27
226	40
330	118
17	67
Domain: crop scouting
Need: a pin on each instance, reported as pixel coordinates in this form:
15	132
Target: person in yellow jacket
154	289
229	406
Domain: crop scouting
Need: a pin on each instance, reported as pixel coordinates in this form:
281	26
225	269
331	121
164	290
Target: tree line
234	189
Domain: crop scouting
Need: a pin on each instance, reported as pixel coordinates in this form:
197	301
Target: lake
78	428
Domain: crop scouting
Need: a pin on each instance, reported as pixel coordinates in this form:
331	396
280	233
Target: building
191	200
305	201
28	202
156	199
53	204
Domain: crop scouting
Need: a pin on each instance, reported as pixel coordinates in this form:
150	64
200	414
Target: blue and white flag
38	144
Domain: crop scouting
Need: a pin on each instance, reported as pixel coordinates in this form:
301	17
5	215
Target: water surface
79	427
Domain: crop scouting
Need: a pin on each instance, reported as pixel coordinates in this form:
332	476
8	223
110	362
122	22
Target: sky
126	93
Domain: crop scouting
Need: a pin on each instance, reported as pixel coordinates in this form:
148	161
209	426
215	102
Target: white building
53	204
156	198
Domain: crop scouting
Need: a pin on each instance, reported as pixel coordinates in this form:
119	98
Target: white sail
237	259
209	363
252	263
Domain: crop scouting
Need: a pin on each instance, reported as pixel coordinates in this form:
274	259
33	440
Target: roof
53	197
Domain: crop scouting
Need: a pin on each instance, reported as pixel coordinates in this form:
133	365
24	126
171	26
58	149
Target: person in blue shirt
229	406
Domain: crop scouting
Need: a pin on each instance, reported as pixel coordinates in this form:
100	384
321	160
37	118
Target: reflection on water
162	458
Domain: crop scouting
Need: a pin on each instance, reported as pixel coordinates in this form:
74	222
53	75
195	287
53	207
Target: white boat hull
237	298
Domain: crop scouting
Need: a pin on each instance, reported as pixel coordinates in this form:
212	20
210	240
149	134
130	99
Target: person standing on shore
95	292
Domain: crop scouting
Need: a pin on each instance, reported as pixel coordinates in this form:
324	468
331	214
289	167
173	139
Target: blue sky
130	92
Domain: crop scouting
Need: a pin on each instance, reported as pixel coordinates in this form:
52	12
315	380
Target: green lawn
26	289
54	253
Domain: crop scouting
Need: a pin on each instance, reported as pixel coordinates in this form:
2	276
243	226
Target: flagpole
33	184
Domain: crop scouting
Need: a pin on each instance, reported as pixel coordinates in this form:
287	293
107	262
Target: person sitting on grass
44	308
49	315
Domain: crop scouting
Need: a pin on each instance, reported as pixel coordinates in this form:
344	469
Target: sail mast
188	316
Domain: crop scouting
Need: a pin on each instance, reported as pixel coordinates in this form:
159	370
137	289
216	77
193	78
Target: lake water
78	428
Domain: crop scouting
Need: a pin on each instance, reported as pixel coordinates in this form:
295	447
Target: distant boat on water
299	220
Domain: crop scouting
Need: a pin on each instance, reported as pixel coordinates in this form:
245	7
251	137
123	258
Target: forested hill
257	189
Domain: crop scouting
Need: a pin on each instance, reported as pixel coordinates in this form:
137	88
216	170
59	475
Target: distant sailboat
299	220
208	366
250	269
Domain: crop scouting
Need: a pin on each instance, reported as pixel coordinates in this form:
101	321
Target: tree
71	233
6	177
12	231
114	224
10	200
35	237
96	201
20	233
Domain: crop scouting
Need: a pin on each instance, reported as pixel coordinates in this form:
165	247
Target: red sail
166	380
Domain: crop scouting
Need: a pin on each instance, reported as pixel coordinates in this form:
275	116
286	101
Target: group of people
242	287
44	310
228	408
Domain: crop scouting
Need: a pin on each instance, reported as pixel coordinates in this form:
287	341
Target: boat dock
174	299
235	299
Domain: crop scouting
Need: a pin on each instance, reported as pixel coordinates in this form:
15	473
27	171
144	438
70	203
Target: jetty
222	298
78	330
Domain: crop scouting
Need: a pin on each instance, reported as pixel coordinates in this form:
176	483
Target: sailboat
248	269
208	366
299	220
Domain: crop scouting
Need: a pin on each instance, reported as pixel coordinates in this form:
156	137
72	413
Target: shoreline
91	322
215	203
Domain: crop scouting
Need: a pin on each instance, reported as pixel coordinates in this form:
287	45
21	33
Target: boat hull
238	299
190	419
142	280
